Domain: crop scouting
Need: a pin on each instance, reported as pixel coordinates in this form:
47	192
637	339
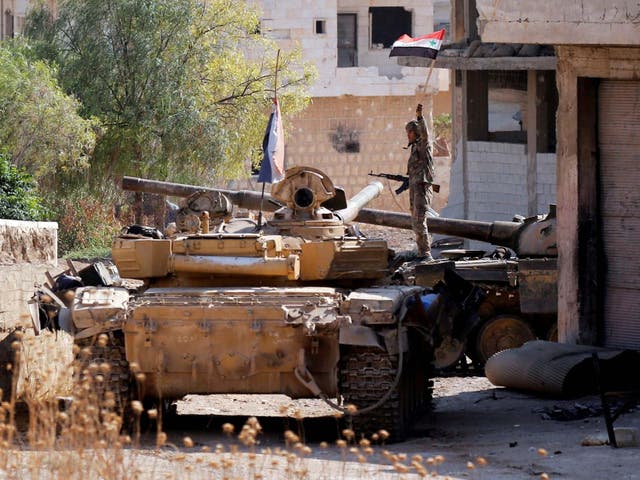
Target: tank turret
304	240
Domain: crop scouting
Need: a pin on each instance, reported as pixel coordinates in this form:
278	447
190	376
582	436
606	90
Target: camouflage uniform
421	172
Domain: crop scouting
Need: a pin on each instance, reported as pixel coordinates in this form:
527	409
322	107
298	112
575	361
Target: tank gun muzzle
358	201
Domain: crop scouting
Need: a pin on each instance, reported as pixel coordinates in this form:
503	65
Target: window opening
347	44
388	24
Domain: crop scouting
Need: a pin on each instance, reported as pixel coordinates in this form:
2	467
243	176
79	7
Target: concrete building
362	98
13	16
597	46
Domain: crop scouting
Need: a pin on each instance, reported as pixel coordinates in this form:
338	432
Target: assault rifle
404	179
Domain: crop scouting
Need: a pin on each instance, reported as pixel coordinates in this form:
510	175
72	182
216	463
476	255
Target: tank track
366	374
117	379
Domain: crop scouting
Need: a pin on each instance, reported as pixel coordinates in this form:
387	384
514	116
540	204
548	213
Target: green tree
182	87
40	128
442	127
18	196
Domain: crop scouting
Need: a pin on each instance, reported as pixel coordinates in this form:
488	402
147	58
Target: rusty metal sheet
538	280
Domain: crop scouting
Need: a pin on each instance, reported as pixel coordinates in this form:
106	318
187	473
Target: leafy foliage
18	197
85	223
39	125
442	127
171	82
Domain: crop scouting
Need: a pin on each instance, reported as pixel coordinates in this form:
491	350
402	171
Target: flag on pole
272	166
425	46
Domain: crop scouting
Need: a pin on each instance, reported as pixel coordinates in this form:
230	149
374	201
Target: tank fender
98	309
391	343
360	335
379	305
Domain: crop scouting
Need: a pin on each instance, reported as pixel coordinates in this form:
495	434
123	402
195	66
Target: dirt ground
471	419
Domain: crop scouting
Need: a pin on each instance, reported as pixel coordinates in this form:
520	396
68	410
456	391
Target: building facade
13	16
598	75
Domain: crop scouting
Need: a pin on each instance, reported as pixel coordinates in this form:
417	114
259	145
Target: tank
519	280
299	303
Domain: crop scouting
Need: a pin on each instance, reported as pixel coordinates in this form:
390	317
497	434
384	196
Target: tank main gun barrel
473	230
358	201
242	198
500	233
251	200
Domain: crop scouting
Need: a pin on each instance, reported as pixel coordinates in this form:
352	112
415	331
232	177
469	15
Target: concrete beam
589	22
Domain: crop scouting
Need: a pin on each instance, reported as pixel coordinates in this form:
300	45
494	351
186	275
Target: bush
86	225
18	197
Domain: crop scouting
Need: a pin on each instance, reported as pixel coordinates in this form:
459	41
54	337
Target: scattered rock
595	440
626	437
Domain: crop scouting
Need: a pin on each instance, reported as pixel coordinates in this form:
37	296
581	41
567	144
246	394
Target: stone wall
28	242
27	250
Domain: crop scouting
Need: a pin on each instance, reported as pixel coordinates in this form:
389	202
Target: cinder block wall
325	133
547	183
497	180
497	183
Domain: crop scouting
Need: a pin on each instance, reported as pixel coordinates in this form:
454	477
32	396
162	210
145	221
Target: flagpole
426	85
275	100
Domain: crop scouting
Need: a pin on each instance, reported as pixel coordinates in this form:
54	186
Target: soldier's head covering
413	127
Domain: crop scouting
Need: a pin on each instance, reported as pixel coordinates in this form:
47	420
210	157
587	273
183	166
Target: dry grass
86	440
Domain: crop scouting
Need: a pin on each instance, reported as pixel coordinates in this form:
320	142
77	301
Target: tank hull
240	340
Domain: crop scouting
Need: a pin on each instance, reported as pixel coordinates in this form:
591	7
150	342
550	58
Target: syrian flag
425	46
272	166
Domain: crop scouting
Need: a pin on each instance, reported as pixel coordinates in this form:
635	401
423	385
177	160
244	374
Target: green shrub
85	224
18	197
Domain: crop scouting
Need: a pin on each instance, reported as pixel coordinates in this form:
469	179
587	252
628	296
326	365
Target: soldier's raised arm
422	125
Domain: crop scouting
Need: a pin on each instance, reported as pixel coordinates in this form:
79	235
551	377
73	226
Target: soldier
421	172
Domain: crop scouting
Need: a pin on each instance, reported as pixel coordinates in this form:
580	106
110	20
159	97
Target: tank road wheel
500	333
367	374
449	353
